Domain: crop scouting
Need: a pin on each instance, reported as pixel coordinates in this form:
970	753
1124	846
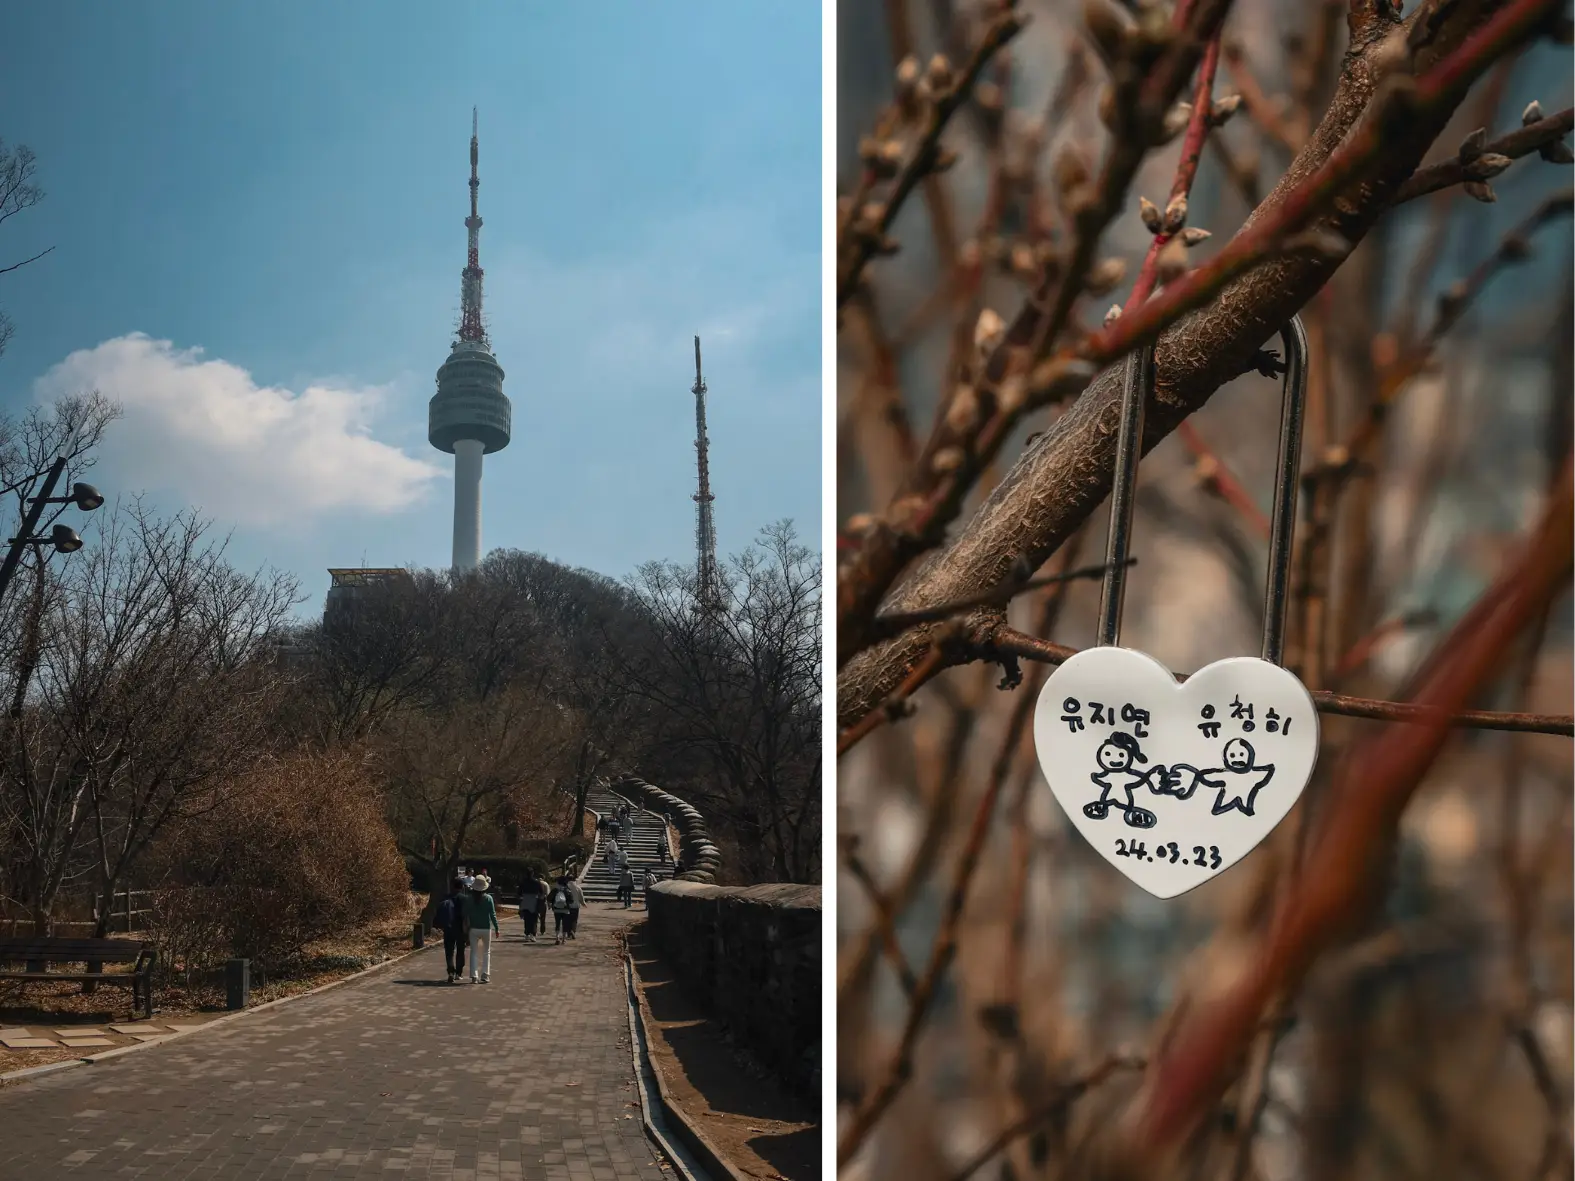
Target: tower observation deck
469	416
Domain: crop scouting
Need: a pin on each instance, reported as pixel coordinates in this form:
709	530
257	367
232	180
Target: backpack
445	915
560	900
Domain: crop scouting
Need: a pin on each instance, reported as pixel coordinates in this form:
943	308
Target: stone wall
750	956
698	857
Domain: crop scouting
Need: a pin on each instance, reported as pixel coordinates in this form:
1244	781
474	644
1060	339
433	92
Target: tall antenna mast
470	416
708	590
470	326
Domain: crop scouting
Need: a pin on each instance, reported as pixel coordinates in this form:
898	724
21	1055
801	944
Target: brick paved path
527	1077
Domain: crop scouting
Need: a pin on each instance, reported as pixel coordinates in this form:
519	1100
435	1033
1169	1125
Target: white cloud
243	453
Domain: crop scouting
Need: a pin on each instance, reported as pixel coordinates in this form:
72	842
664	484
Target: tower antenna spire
471	327
708	589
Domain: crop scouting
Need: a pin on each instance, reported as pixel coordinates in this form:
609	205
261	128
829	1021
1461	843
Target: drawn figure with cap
1118	780
1237	783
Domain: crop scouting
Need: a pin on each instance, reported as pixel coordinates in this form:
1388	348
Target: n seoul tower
469	417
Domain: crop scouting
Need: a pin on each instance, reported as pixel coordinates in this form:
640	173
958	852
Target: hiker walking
530	899
560	909
626	886
576	902
544	891
645	894
482	914
450	919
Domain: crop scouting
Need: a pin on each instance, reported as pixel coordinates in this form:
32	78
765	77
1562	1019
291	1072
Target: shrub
295	851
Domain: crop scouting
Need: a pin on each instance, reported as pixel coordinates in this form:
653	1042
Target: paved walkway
397	1075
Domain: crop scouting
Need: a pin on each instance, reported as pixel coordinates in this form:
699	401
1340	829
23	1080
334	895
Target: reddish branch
934	494
1352	165
1433	92
1198	124
1362	810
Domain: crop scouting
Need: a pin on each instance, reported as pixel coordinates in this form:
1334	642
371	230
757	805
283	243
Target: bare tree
741	688
18	166
449	769
144	683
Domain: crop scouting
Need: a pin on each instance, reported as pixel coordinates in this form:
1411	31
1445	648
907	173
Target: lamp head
86	497
65	539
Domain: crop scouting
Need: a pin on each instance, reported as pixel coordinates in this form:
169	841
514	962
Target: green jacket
480	911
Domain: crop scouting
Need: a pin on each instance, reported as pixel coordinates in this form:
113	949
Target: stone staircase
643	846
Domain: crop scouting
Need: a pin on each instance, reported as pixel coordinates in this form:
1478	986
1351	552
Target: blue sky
258	219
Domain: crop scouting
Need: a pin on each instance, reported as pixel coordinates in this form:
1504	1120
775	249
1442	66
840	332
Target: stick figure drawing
1118	781
1237	783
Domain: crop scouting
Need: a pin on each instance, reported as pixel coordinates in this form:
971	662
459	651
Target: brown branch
1009	642
944	947
863	240
1361	814
1531	138
25	261
1435	93
884	922
896	705
1061	479
954	459
1068	1094
1260	108
889	624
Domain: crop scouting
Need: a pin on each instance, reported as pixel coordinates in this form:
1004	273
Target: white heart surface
1174	782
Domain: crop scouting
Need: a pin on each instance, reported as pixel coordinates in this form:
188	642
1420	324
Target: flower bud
1172	261
1105	275
1150	214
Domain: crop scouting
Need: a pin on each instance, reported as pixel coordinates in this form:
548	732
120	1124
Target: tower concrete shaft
708	586
467	505
469	416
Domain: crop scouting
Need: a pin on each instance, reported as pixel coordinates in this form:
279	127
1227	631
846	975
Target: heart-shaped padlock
1174	782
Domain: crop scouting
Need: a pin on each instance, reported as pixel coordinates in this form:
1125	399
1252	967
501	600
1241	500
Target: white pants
480	953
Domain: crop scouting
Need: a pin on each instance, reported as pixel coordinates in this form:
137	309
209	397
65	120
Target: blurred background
1434	1042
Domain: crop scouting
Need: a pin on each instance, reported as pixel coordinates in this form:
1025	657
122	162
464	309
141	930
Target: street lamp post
64	538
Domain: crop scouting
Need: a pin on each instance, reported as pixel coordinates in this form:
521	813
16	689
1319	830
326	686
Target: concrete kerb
714	1164
649	1087
33	1072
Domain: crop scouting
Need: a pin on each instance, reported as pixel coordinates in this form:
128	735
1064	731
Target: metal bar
1123	492
30	523
1287	480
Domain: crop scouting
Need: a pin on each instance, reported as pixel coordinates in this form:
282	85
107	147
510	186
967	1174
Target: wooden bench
35	954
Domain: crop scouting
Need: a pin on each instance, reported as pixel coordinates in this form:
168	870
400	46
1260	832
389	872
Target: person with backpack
481	914
626	887
650	880
450	919
576	902
560	910
530	900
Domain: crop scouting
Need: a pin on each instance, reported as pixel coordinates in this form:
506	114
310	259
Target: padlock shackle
1123	492
1287	481
1282	529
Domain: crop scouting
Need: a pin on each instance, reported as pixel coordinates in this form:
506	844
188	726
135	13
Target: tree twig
1530	138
